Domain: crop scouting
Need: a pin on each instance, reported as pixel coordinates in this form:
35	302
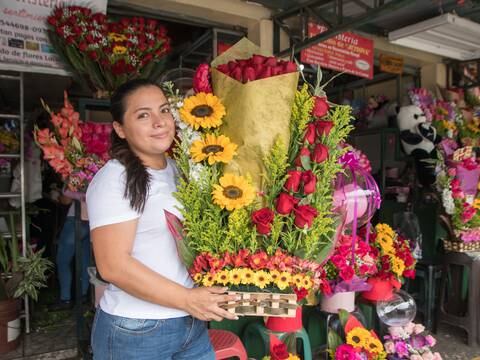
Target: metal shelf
10	77
10	116
9	195
10	156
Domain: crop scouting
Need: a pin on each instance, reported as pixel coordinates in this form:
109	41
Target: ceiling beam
363	19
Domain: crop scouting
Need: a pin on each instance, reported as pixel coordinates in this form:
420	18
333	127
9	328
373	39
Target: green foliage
240	232
302	106
34	268
275	166
333	341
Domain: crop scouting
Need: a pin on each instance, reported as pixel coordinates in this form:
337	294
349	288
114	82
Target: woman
151	309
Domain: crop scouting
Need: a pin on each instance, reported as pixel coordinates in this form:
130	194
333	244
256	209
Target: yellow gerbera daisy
222	277
197	278
373	345
234	192
283	280
307	283
213	148
261	279
398	266
202	110
208	280
247	277
357	337
235	276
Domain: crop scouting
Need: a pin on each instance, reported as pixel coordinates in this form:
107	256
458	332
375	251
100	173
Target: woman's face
148	125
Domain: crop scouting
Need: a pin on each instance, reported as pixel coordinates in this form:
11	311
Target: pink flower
452	172
345	352
389	347
427	356
415	357
401	348
430	340
397	332
437	356
418	329
409	328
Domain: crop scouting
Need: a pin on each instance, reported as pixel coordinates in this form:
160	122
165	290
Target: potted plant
19	276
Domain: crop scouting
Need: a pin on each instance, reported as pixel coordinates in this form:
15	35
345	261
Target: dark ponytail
137	177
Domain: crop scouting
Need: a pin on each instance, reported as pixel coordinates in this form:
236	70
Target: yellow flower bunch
398	266
9	141
258	278
385	238
476	202
449	125
362	338
474	128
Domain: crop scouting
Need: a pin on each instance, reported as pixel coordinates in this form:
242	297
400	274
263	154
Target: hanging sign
23	31
391	64
345	52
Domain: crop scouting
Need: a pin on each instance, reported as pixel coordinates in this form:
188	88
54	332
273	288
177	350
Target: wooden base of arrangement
460	246
262	304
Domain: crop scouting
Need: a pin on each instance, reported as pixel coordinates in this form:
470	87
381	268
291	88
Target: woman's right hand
202	303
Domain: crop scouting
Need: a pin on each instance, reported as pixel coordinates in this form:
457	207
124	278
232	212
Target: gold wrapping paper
258	112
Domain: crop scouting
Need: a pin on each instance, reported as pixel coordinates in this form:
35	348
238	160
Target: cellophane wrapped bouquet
257	159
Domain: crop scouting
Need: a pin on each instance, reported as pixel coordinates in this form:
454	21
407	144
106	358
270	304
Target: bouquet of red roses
108	53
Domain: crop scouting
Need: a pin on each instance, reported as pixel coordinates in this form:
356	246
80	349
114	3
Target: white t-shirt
153	246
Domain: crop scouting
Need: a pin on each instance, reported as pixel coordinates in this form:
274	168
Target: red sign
345	52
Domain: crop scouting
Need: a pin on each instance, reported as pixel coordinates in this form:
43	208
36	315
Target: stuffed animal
418	139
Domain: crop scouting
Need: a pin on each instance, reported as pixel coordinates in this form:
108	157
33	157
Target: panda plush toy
418	139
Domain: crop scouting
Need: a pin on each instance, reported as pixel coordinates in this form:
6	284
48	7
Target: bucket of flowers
107	53
257	159
458	183
75	150
394	261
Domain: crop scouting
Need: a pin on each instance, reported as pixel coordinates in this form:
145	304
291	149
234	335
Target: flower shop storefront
276	203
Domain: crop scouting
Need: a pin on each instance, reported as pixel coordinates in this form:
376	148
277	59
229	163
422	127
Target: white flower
448	202
196	170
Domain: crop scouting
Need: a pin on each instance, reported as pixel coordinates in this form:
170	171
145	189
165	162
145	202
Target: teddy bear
418	138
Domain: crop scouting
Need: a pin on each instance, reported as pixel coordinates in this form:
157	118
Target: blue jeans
120	338
65	255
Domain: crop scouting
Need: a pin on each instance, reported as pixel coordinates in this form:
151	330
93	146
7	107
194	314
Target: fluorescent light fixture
447	35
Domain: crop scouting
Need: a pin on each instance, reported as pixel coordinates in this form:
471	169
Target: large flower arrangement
108	53
410	342
267	227
75	161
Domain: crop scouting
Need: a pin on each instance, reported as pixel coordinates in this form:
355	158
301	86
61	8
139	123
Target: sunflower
476	203
213	148
234	192
385	228
283	280
119	50
298	280
398	266
197	278
202	110
261	279
222	277
386	242
235	276
358	336
373	345
208	280
274	274
307	283
247	276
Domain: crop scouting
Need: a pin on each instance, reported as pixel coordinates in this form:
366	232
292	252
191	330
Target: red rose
248	74
236	73
279	352
82	46
277	70
303	152
304	215
310	134
52	21
346	273
70	40
409	274
325	288
320	108
285	203
271	61
320	153
232	65
309	182
266	72
289	67
119	67
258	59
89	38
323	127
201	80
293	181
263	219
301	293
